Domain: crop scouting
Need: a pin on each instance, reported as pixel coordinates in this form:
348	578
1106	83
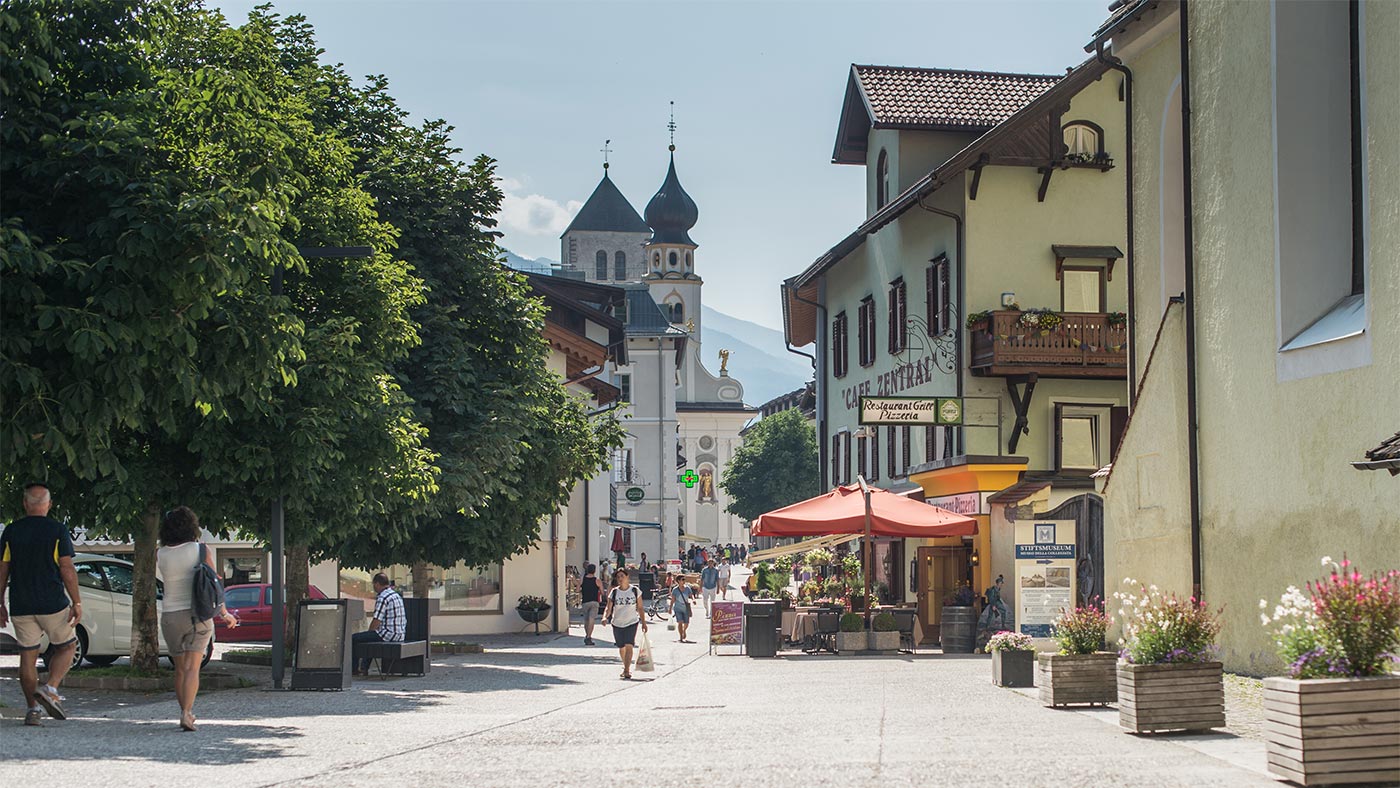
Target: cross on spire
605	151
672	127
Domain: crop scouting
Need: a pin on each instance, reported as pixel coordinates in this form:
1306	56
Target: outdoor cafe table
804	623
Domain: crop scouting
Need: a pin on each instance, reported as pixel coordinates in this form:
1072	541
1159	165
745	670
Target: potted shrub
851	636
1081	672
884	632
857	597
1168	678
1013	659
958	624
1334	717
785	598
532	608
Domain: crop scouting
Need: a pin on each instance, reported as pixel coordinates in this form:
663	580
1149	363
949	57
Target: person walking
680	608
186	636
709	580
725	572
36	565
592	597
625	614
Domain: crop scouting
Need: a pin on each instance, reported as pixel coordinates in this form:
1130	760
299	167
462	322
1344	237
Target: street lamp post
279	535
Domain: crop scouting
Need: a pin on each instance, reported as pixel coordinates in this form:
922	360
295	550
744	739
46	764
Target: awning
800	547
842	511
693	539
632	524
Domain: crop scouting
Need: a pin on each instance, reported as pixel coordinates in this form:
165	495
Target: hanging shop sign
1045	577
635	494
945	411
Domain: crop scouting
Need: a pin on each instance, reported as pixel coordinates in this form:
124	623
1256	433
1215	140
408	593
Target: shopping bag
644	660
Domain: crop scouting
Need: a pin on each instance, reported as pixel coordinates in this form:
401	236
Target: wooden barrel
956	630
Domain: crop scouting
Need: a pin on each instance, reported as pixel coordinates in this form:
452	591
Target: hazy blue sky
757	85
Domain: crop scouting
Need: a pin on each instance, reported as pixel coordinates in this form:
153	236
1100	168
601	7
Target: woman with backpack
186	633
625	613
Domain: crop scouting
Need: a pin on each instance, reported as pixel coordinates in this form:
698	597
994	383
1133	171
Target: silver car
104	634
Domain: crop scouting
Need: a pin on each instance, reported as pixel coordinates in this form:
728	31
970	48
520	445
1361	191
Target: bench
409	656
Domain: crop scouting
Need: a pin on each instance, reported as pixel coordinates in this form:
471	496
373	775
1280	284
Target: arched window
688	261
882	180
1083	140
619	266
601	266
678	312
673	259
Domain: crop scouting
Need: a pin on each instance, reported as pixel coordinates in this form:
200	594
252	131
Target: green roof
608	211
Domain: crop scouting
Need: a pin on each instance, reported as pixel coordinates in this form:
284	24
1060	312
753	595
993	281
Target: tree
775	466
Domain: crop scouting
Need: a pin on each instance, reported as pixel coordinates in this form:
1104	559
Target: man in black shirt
36	565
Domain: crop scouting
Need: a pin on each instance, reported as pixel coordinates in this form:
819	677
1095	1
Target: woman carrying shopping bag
625	613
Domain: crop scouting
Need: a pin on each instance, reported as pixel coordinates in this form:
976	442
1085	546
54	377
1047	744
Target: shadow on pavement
216	743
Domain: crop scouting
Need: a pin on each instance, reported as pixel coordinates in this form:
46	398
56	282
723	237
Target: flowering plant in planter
530	602
1117	319
1163	628
1346	624
1043	319
1009	641
818	557
961	597
1081	630
976	318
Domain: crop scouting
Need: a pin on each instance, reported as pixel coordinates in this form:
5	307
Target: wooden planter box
1013	668
850	641
1188	696
1331	731
884	641
1077	678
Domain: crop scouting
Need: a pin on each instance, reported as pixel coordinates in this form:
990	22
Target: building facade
1266	280
990	197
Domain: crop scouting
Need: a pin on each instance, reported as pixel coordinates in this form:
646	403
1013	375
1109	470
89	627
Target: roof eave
1117	25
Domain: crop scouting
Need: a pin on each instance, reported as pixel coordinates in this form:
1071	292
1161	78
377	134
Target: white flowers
1327	560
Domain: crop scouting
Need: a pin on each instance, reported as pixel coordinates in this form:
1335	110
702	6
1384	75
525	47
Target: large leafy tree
775	466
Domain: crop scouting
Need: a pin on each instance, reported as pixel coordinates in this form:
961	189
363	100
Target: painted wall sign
1045	578
910	410
902	377
962	503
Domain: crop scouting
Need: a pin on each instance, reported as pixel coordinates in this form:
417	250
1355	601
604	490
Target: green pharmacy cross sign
689	478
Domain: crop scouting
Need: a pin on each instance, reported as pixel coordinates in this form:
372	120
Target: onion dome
671	213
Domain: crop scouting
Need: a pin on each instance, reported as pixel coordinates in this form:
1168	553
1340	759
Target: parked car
104	634
251	604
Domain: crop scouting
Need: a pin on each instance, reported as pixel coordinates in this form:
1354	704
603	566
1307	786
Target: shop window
460	588
1082	289
938	287
898	317
600	266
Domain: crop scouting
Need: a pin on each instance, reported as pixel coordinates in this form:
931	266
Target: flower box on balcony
1344	730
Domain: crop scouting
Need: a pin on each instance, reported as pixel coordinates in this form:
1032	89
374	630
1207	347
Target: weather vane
605	151
672	126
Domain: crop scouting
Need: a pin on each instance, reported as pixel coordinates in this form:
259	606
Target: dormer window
1083	141
882	180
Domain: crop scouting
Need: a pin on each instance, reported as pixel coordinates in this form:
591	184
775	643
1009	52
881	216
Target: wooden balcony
1083	346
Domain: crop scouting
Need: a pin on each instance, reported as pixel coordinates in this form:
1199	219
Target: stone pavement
549	711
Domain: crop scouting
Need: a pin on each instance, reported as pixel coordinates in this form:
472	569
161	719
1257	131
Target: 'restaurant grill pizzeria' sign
911	410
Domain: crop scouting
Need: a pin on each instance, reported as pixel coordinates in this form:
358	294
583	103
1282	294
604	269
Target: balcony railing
1086	344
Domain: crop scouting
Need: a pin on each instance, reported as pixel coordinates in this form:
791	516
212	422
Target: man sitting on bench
387	624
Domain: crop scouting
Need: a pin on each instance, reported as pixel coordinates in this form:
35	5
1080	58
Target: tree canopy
775	466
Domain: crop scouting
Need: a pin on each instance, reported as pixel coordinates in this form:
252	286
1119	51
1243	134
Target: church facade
682	420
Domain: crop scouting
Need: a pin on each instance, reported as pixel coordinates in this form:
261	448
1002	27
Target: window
1083	140
656	260
865	331
1081	289
1319	173
882	180
462	588
938	286
90	576
874	455
119	578
236	598
835	459
1083	436
938	443
845	458
840	346
622	466
892	451
600	266
677	312
898	317
906	432
861	453
624	382
619	266
672	259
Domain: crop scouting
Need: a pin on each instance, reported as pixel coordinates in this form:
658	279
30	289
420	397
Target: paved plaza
550	711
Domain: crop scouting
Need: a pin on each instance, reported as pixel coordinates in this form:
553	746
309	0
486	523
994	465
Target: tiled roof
606	210
1385	456
900	96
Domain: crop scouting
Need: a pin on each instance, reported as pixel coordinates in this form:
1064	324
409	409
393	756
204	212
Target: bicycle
658	607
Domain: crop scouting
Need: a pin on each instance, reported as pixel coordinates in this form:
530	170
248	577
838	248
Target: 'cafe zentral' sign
911	410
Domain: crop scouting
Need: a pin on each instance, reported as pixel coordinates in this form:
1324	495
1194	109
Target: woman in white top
185	638
625	613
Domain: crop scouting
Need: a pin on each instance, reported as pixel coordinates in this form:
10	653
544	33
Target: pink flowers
1346	625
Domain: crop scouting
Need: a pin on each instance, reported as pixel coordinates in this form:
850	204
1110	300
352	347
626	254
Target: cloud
533	214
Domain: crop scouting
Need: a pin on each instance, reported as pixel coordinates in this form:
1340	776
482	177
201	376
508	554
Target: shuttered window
898	317
840	346
938	286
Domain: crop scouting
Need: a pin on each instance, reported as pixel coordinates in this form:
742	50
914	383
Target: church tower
604	241
670	253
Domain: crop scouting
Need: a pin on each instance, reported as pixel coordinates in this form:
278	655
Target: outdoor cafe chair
905	619
828	624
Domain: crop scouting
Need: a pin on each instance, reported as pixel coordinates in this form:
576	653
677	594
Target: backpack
208	595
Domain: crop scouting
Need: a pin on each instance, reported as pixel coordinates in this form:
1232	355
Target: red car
252	606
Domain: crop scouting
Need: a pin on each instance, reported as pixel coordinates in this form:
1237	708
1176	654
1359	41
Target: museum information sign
1045	578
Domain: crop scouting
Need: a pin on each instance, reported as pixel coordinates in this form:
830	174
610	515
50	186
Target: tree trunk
422	580
145	632
298	578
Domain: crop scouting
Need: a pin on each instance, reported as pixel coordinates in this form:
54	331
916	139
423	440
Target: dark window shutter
892	342
875	455
904	467
903	326
860	333
930	313
846	458
860	456
945	298
930	445
836	459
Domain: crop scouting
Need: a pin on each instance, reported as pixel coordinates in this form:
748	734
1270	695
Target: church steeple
671	213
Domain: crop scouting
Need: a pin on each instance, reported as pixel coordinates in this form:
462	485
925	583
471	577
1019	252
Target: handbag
645	663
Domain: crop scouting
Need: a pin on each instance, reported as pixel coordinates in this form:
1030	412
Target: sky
757	85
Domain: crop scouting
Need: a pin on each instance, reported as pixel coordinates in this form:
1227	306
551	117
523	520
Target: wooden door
940	571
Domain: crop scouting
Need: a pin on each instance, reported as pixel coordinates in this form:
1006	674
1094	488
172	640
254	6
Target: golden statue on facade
724	361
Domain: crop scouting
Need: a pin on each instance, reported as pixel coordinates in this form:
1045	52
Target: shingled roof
937	99
608	211
1385	456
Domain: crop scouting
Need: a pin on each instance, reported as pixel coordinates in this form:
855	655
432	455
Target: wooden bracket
976	180
1021	403
1059	268
1045	173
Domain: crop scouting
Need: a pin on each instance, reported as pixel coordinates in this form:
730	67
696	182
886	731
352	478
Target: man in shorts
36	565
725	572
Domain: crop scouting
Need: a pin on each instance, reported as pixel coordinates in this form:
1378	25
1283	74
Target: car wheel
101	661
79	653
